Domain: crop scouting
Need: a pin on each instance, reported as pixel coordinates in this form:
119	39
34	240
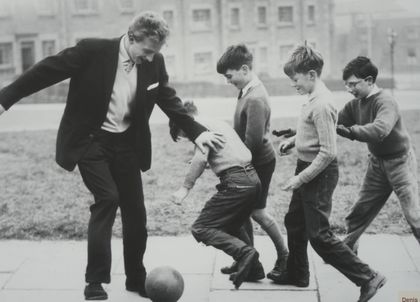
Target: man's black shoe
245	263
137	289
369	289
285	279
95	291
227	270
256	273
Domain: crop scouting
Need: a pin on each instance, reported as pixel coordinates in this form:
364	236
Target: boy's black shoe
285	279
369	289
227	270
256	273
279	267
140	289
95	291
245	263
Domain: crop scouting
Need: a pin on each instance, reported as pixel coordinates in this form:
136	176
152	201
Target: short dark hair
303	59
234	57
174	130
361	67
148	25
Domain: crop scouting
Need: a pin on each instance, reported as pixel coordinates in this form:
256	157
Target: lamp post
392	40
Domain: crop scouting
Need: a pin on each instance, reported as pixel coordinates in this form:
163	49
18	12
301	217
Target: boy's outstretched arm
197	166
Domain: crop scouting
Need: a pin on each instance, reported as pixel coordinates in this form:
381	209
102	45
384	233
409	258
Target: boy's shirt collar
319	89
375	90
251	84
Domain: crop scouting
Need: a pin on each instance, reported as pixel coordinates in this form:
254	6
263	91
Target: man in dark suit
114	85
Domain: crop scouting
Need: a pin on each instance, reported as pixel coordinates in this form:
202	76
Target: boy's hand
286	132
178	196
211	139
345	132
292	184
284	146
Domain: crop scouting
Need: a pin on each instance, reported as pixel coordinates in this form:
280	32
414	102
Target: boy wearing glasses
373	117
314	182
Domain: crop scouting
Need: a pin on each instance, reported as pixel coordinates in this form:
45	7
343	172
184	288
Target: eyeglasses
351	85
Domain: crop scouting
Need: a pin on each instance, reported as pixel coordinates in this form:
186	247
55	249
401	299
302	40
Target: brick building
377	28
200	30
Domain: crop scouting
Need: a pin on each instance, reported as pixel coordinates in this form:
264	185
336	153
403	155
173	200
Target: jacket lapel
110	68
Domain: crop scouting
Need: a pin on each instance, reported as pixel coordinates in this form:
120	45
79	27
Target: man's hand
2	109
345	132
286	132
292	184
284	146
178	196
211	139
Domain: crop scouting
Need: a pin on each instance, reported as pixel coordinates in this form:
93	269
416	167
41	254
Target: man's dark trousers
223	215
110	171
307	219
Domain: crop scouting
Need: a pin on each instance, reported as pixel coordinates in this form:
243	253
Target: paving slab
413	249
268	256
41	296
12	254
385	253
4	278
51	265
262	296
182	253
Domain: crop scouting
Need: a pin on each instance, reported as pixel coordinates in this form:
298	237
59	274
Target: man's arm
171	105
45	73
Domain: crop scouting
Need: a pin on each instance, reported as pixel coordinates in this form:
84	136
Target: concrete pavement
50	271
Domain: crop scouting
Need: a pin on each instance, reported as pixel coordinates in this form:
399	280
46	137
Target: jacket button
91	135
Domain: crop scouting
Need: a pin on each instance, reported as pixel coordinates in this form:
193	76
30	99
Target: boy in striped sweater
314	182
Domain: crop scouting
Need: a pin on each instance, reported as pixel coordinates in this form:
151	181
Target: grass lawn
39	200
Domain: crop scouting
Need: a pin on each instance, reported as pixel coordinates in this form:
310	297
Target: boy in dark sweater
373	117
252	123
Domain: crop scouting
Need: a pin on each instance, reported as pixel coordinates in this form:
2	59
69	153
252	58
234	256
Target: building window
48	48
201	19
311	14
46	7
263	59
85	7
285	15
262	15
285	51
412	33
168	15
203	63
235	17
6	58
126	6
411	56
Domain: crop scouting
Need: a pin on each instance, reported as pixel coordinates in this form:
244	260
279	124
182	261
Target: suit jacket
91	66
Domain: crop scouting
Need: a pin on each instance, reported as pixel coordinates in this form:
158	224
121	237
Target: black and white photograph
209	150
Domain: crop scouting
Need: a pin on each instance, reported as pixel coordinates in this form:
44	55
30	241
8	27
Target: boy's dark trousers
109	169
307	219
222	216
